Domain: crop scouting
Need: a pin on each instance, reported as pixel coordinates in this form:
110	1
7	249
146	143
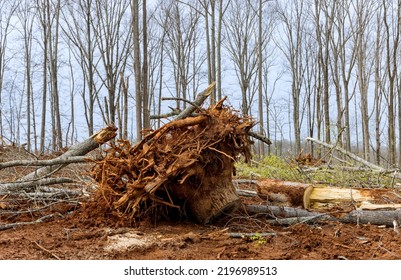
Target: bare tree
145	69
293	19
26	16
137	67
260	77
7	10
345	51
112	29
48	12
41	12
392	42
209	14
364	16
323	37
241	44
182	38
79	34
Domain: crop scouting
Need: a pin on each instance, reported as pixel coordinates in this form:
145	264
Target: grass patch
273	167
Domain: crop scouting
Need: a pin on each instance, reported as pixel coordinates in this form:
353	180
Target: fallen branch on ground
290	216
251	235
30	211
300	220
46	250
46	162
7	188
93	142
353	156
74	154
247	193
373	217
40	220
279	211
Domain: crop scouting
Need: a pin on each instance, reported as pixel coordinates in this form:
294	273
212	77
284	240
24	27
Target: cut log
373	217
294	194
289	216
282	193
279	211
366	205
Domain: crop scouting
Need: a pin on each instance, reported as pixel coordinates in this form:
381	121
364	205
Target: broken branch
260	137
200	98
40	220
9	187
47	162
349	154
93	142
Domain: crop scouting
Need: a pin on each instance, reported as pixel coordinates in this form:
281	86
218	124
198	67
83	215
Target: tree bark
93	142
200	98
46	162
351	155
7	188
290	216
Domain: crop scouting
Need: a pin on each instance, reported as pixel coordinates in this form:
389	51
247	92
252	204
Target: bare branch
47	162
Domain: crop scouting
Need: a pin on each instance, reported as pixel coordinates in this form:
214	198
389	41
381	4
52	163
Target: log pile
186	164
288	203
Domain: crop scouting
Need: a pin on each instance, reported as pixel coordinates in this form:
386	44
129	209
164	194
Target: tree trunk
212	196
144	78
137	70
101	137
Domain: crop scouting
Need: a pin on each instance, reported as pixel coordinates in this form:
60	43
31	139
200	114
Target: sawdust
128	241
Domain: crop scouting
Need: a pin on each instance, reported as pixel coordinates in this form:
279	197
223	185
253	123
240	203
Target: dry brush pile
185	160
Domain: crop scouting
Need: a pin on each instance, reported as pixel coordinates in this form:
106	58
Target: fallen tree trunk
46	162
279	211
288	216
93	142
295	194
74	154
43	191
381	217
353	156
8	188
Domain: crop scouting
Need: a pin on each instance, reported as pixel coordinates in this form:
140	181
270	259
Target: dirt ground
84	232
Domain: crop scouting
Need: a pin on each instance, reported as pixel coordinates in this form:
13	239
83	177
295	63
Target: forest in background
321	69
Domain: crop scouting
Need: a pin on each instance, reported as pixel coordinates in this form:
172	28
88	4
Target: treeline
323	69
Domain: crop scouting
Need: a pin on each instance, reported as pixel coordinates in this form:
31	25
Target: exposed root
169	161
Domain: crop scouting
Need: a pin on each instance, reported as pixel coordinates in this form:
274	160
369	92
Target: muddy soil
87	232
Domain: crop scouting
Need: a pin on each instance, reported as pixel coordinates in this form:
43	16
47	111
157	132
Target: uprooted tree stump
186	164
